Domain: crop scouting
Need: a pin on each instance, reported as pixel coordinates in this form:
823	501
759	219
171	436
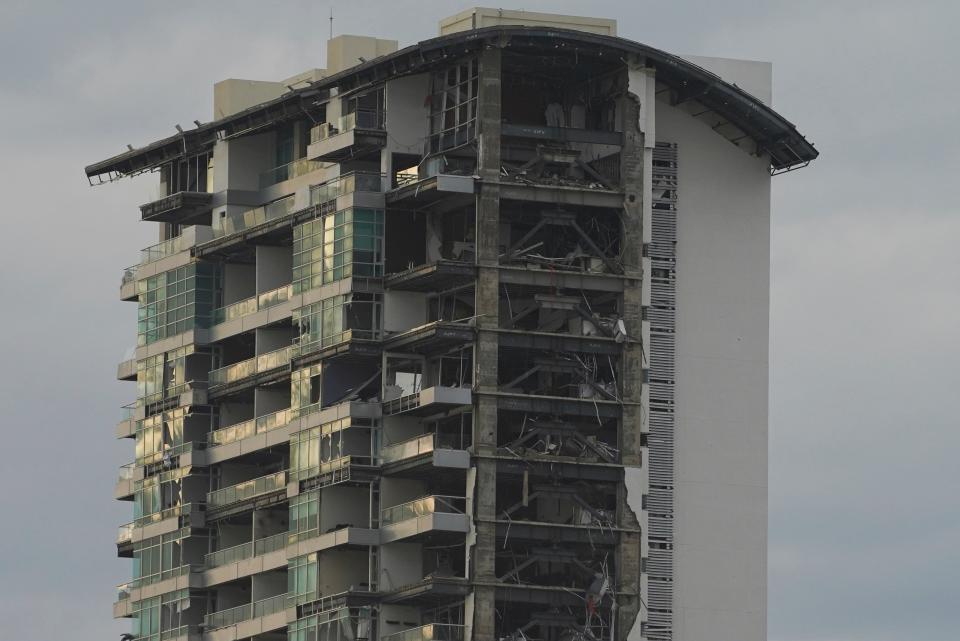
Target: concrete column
486	350
636	110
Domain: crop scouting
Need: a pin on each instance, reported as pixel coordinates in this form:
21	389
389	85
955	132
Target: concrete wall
400	564
345	51
723	266
274	267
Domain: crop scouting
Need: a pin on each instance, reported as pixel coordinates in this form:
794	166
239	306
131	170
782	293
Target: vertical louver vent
662	313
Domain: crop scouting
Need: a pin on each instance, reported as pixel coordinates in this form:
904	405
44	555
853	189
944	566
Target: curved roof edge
773	133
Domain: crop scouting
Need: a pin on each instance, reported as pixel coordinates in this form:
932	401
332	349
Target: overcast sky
865	434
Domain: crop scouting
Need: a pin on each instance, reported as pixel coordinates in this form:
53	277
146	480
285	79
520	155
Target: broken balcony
562	240
433	251
416	385
353	136
181	208
430	632
442	177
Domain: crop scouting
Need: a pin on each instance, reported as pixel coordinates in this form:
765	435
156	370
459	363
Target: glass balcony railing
129	275
289	171
246	550
422	507
363	119
182	570
253	304
125	532
126	472
247	490
407	449
127	412
253	217
162	515
169	452
166	248
347	184
254	610
429	632
251	366
347	335
331	466
123	591
258	425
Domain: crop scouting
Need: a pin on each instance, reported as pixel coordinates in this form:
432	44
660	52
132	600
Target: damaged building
465	341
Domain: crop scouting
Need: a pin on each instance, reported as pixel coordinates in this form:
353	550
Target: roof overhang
772	133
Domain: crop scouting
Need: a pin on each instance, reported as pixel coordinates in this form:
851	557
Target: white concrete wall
723	283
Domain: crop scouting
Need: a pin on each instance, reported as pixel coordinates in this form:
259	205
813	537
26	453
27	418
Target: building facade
467	341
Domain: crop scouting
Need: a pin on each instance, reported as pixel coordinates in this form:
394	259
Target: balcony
356	189
157	523
289	171
350	340
246	551
422	448
353	136
246	429
440	276
252	305
251	369
423	517
263	609
128	283
251	218
257	488
125	482
431	400
182	208
429	632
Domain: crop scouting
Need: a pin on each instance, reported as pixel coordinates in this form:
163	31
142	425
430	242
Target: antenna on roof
331	23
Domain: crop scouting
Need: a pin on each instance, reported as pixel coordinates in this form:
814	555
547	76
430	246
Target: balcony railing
246	550
162	515
251	366
429	632
129	275
407	449
253	217
363	119
128	411
170	452
258	425
159	576
247	490
245	612
347	335
126	472
329	467
253	304
289	171
346	184
125	532
163	249
422	507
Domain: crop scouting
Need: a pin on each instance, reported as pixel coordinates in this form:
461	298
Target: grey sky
864	518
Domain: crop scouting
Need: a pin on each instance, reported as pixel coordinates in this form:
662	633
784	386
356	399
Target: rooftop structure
464	342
